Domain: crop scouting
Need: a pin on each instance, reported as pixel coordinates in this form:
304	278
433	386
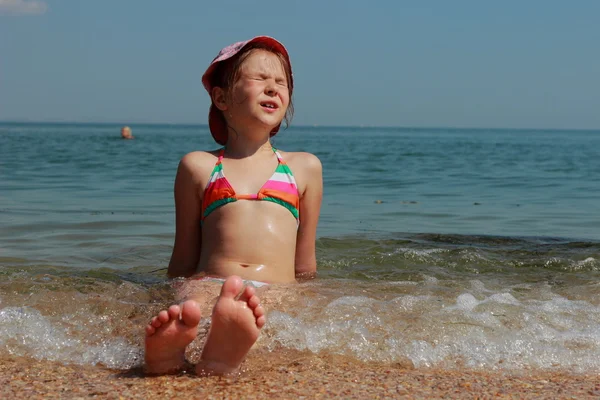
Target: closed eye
263	77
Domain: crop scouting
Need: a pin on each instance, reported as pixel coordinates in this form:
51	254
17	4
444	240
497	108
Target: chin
270	123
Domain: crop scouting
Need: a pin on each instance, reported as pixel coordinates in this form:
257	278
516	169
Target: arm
188	232
310	207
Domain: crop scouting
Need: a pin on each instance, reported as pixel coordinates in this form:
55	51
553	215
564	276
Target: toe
260	321
150	330
249	291
156	322
253	302
232	287
259	311
246	293
163	316
174	312
191	313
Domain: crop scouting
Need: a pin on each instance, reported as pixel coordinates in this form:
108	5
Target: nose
271	88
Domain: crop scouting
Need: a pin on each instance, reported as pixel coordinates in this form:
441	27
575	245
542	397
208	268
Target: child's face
260	95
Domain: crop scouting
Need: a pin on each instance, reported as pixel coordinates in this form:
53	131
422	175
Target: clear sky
528	64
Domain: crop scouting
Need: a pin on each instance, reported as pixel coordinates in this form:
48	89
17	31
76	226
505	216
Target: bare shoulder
303	161
197	159
197	165
306	167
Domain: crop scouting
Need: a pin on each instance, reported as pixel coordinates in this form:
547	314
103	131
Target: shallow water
449	248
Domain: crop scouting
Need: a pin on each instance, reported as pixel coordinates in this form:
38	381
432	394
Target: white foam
466	302
588	263
25	331
409	302
503	298
497	331
420	255
441	326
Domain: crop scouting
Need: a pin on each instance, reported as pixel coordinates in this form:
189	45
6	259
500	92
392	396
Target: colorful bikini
281	188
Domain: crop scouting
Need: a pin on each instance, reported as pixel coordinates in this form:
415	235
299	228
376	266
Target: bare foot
236	322
167	336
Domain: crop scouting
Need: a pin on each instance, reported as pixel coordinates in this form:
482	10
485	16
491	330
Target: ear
218	98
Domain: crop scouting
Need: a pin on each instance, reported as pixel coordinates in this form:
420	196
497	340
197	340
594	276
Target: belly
254	240
268	273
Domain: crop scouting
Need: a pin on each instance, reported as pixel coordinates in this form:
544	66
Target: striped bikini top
281	188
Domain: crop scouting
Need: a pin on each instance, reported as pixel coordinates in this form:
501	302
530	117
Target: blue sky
527	64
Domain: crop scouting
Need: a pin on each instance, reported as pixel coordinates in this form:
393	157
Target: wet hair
227	74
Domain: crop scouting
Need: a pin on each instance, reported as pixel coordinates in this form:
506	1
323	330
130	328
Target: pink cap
216	121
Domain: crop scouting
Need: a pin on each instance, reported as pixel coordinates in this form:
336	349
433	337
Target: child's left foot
236	323
167	337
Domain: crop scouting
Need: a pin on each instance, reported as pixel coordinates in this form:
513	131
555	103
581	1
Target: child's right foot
236	322
167	337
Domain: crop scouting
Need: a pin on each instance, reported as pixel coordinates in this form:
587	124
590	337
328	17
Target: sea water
451	248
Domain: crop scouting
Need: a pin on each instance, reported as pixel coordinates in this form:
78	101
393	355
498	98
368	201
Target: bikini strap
221	154
279	157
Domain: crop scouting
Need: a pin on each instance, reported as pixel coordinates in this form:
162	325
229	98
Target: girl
246	213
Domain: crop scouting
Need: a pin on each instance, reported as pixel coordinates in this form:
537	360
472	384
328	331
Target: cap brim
235	48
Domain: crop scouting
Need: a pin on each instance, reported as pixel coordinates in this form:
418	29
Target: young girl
246	214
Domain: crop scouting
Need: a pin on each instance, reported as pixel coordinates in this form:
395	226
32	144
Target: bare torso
252	239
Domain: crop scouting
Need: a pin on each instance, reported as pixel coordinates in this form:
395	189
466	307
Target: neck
243	146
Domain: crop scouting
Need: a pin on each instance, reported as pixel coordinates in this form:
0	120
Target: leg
168	335
236	322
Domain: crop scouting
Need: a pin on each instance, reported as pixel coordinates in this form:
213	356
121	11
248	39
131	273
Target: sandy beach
288	376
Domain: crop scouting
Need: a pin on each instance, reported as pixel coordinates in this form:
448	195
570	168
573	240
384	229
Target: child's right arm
188	231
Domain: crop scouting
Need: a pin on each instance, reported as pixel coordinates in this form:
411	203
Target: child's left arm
310	207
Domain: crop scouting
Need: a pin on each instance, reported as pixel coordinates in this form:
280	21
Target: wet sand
288	376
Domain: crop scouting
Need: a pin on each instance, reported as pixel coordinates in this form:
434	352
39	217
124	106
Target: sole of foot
237	319
167	336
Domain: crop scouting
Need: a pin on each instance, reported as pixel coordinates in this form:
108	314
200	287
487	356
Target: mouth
269	105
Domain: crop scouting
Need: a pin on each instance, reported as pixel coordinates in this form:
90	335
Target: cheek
239	95
252	86
284	95
249	90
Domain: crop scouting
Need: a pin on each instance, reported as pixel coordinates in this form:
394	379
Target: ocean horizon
294	125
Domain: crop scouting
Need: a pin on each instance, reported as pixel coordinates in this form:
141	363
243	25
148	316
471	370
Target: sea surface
451	248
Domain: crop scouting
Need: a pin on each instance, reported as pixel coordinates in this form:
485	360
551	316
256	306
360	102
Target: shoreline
288	375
